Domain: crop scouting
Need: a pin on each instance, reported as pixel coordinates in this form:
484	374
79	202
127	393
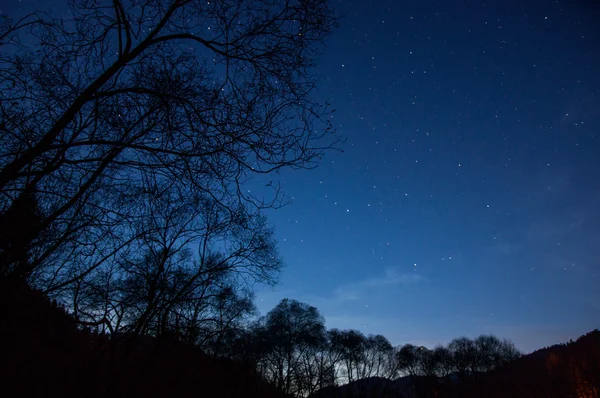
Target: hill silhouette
44	353
371	387
562	370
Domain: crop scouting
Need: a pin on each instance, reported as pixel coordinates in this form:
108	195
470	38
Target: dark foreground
42	353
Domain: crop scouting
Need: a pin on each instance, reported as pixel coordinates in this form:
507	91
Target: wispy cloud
553	230
333	300
393	276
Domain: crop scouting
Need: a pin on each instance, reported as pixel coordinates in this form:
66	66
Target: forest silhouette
286	353
130	246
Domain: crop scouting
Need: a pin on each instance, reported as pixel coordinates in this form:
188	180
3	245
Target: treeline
288	352
288	348
291	348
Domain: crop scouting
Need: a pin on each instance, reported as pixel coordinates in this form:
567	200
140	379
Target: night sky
467	199
467	196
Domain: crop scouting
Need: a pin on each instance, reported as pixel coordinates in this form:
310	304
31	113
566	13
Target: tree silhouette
442	364
491	352
408	360
350	343
464	356
160	287
106	111
290	334
378	358
16	242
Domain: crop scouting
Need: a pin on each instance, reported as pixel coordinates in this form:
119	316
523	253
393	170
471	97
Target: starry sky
467	199
467	196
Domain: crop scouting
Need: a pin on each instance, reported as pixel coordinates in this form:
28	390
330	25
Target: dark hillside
43	353
562	370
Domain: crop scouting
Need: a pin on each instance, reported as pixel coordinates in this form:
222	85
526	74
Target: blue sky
467	199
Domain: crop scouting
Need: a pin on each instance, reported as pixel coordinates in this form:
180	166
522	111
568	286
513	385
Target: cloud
393	276
553	229
503	249
349	305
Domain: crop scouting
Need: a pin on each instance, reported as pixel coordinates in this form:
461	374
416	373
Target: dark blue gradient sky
468	197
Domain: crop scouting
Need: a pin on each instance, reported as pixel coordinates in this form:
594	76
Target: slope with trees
128	132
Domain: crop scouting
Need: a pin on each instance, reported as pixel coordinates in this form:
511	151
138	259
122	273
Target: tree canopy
128	132
126	109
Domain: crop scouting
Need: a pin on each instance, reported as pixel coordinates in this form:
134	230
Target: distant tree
441	359
471	359
316	368
464	356
351	346
377	359
290	334
106	110
336	353
491	352
328	360
409	360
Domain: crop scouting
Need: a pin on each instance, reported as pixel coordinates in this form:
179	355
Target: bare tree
464	356
104	112
162	288
291	333
318	365
377	358
491	352
441	361
409	360
351	345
